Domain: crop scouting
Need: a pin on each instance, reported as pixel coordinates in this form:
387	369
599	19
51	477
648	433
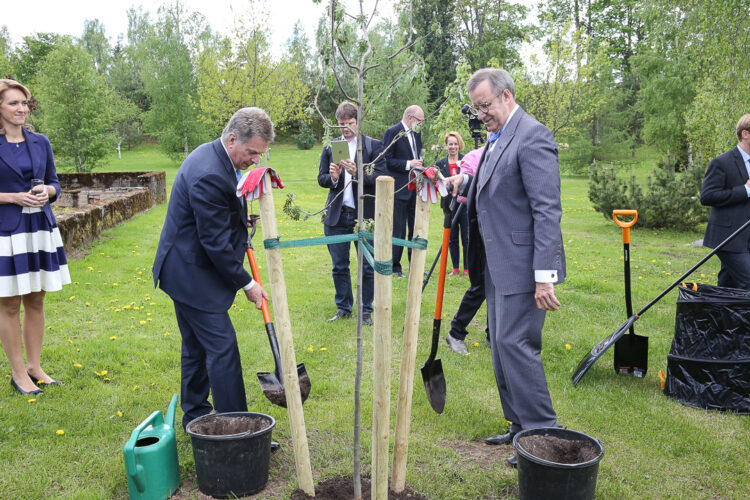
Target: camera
475	124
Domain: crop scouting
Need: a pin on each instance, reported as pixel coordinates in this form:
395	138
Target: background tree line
613	75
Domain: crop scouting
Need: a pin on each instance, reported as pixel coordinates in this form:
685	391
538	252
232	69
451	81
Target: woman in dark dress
32	259
448	166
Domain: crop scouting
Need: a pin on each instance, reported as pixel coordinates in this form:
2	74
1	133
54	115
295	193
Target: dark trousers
342	280
403	219
210	360
471	301
735	270
459	229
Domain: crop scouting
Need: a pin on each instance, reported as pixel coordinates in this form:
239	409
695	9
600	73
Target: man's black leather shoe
275	446
340	315
506	438
512	461
399	274
367	319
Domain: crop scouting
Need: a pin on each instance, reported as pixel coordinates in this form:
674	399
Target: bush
671	198
304	138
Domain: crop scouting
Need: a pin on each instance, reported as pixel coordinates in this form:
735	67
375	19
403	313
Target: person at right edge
726	189
514	225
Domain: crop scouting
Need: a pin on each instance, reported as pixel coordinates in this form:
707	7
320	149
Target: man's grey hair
499	80
411	111
247	123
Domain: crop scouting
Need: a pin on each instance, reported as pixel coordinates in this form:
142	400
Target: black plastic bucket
539	478
231	464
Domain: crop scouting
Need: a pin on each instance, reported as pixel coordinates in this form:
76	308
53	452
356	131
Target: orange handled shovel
631	351
271	383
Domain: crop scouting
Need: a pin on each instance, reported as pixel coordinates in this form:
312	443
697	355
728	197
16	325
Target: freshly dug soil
560	451
342	488
223	426
279	397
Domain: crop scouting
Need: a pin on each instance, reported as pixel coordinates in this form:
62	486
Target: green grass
111	318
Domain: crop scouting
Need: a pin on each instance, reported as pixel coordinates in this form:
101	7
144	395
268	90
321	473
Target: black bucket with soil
232	452
557	463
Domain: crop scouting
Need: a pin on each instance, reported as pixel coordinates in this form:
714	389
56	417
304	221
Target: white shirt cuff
249	285
747	188
408	164
545	276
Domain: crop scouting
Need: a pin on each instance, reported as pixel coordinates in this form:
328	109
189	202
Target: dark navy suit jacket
396	157
13	181
724	191
199	261
324	179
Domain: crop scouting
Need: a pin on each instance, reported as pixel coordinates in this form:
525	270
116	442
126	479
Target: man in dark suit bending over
400	157
726	189
341	180
514	224
199	262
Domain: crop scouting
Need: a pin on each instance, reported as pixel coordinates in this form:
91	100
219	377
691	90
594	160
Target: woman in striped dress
32	259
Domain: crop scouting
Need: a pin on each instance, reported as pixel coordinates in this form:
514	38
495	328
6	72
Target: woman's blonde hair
458	137
5	84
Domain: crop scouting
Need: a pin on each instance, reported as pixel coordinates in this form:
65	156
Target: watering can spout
169	419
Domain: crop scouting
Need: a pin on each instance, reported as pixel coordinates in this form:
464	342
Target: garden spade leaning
271	383
631	351
596	352
432	371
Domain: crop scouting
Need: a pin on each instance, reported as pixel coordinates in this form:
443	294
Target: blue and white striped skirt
32	257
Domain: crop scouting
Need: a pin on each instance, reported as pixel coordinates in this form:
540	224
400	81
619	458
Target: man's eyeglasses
484	107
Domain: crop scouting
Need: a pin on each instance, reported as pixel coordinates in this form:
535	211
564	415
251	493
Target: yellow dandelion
104	372
77	365
309	348
142	322
113	338
135	387
91	268
60	432
115	284
31	400
152	304
88	303
323	348
166	334
97	374
653	260
71	297
567	346
106	379
476	344
70	341
119	413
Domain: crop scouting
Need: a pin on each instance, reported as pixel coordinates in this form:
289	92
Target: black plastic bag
708	365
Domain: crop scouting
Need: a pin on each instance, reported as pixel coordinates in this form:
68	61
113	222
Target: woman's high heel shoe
25	393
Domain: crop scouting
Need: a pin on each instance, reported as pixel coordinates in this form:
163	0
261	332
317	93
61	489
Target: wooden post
409	349
286	345
381	359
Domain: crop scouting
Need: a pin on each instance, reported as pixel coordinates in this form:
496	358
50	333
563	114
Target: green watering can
151	457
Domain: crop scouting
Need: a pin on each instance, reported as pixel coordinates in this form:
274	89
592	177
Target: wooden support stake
381	359
286	345
409	349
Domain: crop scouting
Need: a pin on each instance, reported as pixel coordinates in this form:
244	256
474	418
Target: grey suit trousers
515	325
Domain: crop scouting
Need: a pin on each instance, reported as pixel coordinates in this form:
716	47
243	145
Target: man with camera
514	224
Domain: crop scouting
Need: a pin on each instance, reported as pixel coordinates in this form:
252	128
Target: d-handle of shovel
625	225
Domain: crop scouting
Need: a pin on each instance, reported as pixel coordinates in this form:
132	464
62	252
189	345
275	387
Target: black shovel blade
631	355
600	348
273	388
434	384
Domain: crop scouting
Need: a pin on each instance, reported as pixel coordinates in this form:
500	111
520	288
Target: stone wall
93	202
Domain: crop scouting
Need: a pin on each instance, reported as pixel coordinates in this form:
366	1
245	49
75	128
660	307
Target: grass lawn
112	338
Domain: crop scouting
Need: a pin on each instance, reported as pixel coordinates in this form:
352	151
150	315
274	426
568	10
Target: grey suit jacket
515	209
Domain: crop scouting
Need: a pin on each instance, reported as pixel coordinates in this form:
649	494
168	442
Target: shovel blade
631	355
596	352
434	384
273	388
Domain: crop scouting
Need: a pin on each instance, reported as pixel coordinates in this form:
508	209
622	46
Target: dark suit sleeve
378	168
210	202
324	176
391	162
716	191
50	172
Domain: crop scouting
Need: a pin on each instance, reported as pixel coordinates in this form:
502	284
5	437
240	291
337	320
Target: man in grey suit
514	228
